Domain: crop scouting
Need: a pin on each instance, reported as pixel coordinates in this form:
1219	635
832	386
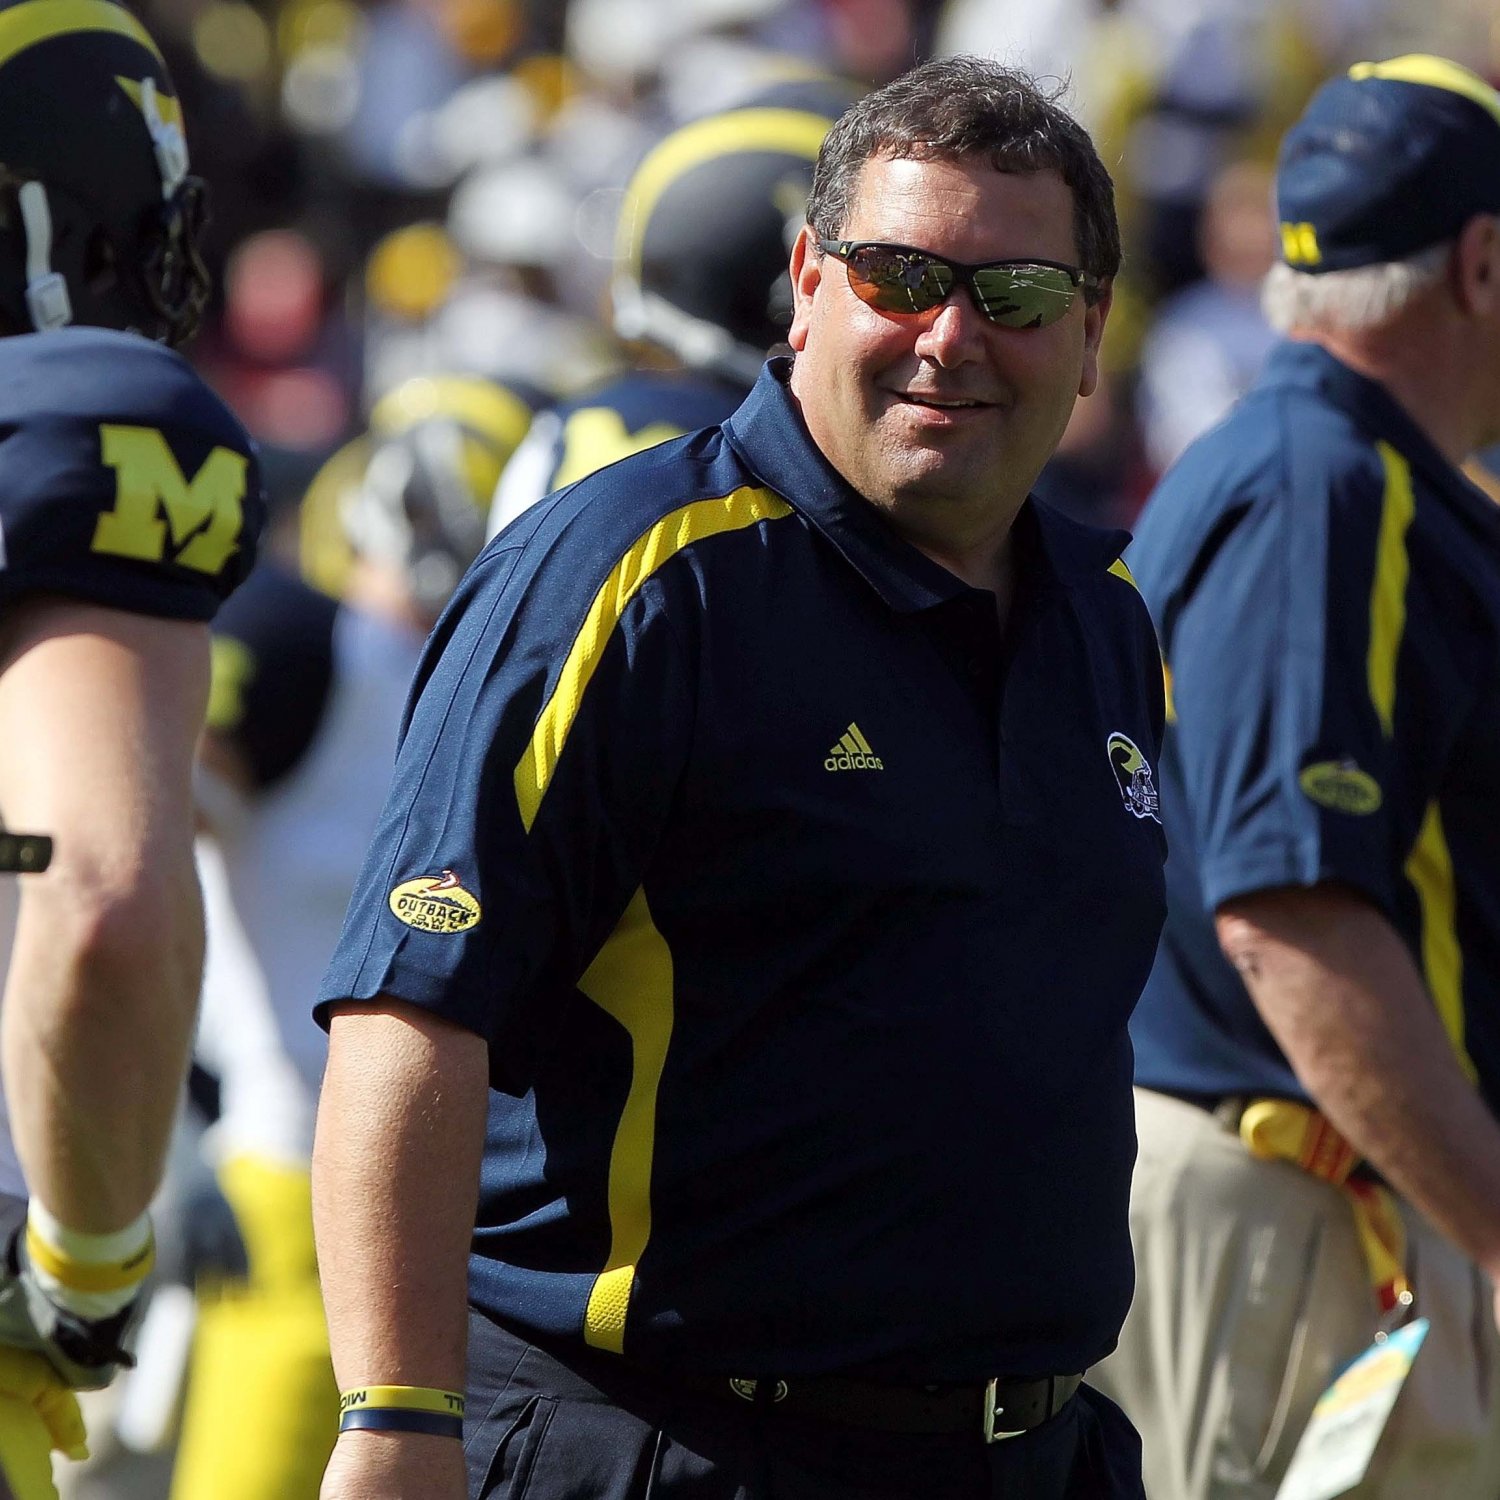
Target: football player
130	505
700	286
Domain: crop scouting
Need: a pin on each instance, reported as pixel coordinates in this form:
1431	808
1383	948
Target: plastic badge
1350	1416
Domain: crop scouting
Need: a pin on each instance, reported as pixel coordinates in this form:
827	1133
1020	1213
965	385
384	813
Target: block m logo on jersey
160	514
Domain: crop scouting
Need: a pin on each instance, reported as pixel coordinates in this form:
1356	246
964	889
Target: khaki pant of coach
1251	1292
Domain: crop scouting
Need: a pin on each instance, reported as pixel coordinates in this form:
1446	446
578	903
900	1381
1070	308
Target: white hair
1349	301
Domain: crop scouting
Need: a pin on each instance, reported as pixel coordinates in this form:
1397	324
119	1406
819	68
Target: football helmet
98	216
705	229
435	450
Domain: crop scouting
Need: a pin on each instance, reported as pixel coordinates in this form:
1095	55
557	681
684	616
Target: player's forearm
96	1026
1340	993
99	715
395	1190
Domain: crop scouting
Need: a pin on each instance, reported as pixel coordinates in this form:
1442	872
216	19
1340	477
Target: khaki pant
1251	1294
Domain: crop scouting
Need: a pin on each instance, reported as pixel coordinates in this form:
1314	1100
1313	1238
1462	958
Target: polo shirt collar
1299	364
769	435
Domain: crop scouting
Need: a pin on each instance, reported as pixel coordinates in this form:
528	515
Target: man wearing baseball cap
1318	1047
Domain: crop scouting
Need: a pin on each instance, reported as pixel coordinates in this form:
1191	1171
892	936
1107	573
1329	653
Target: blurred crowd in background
410	186
434	188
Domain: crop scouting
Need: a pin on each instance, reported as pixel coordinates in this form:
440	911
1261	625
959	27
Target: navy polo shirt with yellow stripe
803	912
1327	591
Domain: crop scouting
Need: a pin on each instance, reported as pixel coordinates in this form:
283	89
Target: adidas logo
853	753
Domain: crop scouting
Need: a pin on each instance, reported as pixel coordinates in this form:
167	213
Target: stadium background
410	187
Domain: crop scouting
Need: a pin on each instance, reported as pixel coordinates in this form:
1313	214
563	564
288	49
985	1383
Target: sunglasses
1012	293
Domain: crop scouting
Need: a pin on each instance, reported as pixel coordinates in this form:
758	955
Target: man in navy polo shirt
1318	1048
754	795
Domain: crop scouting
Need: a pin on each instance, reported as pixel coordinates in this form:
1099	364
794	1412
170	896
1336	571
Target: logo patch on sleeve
1341	785
1133	772
435	903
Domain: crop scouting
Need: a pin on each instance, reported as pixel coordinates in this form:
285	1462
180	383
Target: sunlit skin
942	419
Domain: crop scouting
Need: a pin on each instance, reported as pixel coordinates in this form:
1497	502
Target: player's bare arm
102	988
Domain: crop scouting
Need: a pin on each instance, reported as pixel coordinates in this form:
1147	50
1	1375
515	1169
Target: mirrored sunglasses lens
897	281
1024	296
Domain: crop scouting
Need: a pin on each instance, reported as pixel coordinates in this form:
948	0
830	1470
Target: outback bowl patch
434	903
1341	785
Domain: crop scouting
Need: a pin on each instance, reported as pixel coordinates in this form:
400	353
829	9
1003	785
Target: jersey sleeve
272	672
1282	657
124	481
547	733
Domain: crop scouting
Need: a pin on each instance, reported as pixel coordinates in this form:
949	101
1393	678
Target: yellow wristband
80	1276
401	1398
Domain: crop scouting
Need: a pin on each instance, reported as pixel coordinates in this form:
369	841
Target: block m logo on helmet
159	513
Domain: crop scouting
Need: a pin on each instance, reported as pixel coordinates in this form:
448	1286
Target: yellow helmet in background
415	489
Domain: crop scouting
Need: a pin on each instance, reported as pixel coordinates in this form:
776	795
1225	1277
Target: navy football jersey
124	481
632	412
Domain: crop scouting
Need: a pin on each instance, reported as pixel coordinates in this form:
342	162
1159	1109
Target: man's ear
806	272
1095	316
1476	264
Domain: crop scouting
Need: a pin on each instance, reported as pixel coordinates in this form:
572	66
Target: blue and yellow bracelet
402	1408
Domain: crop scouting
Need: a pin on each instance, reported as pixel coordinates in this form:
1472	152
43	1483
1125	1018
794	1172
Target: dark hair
969	107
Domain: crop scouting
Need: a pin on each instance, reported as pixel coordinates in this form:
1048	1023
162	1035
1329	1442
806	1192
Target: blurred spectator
1208	340
1099	474
282	354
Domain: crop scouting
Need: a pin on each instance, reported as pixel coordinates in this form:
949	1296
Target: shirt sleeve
544	743
123	480
1283	657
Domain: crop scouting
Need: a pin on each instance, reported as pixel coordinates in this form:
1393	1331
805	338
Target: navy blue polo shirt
1327	591
803	913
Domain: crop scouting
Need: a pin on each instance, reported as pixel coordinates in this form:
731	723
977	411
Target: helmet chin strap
47	297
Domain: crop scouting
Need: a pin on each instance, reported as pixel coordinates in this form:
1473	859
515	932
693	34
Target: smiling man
757	790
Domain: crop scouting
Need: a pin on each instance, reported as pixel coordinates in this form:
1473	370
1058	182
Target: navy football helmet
705	229
98	215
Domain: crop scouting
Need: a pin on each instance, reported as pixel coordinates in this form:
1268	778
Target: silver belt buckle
992	1433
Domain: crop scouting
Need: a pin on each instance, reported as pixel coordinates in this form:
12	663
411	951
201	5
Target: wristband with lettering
402	1408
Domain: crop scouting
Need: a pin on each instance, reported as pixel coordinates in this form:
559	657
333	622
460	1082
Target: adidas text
842	760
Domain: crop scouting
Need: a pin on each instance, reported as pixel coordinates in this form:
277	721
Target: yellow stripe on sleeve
1118	568
1388	593
1429	868
630	979
654	548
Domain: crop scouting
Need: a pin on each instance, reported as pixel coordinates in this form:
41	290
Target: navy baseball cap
1386	160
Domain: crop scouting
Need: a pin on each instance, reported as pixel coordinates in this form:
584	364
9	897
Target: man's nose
955	334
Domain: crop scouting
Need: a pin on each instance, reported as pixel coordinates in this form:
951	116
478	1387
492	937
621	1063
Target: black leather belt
994	1409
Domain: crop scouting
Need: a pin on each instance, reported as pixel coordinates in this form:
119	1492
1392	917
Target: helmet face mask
88	115
176	282
435	451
